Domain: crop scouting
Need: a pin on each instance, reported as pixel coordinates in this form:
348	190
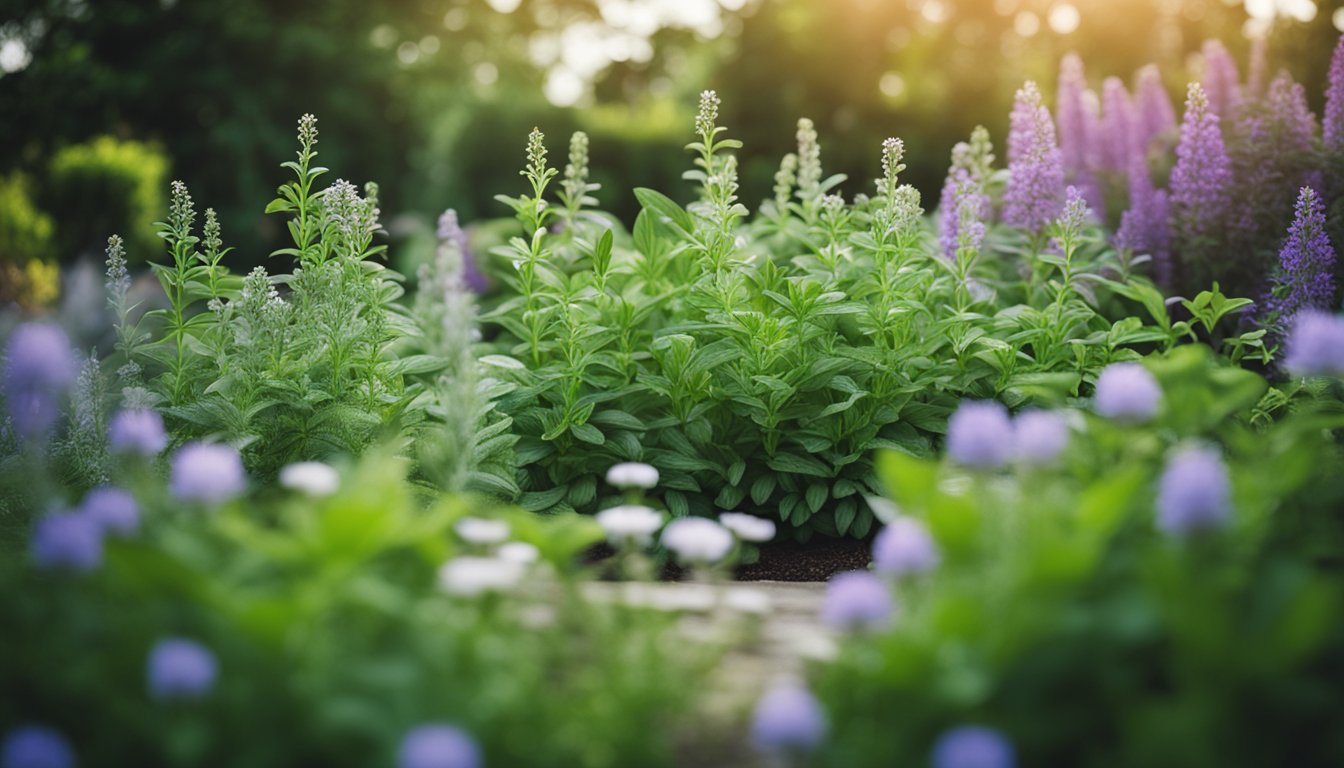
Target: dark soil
817	560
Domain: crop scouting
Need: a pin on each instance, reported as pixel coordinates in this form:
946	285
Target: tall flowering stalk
1257	71
1145	227
1305	278
1199	182
1116	143
1154	114
1079	128
1333	122
1035	193
972	163
1221	80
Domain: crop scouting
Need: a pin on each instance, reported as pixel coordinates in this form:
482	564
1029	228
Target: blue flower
207	472
180	669
1127	392
438	745
1040	437
113	510
904	547
138	431
1193	494
39	365
69	541
973	746
788	717
36	746
980	435
856	600
1316	345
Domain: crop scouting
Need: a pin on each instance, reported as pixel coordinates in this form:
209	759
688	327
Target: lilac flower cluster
39	366
1127	393
1200	179
36	746
788	718
1194	492
1035	193
207	473
973	746
180	670
857	600
1316	345
73	540
1306	276
1221	80
980	435
438	745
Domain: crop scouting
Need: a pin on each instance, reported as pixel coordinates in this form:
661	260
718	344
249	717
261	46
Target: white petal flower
630	523
518	552
478	530
469	576
748	527
747	600
698	540
632	474
310	477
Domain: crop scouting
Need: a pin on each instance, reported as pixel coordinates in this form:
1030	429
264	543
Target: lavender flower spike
1200	180
1035	194
1071	114
1146	226
1306	278
1334	102
1155	116
1221	80
1116	144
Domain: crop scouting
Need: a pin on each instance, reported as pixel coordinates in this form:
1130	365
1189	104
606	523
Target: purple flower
904	547
1035	193
980	435
1221	80
438	745
207	472
963	202
1334	102
1155	114
1193	493
1127	392
1071	112
1200	179
1257	69
856	600
1306	278
36	746
113	510
1315	345
450	230
138	431
788	717
180	670
67	541
973	746
38	366
1117	144
1146	226
1039	437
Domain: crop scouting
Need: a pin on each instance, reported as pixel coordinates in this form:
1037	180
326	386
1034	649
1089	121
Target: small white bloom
632	474
630	523
698	540
747	600
518	552
748	527
469	576
478	530
310	477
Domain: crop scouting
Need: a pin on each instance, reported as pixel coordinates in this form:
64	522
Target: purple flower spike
1127	392
1316	345
138	431
1306	278
1200	180
856	600
67	541
1194	492
1072	114
113	510
904	548
180	670
207	473
1221	80
973	746
438	745
1146	226
1334	102
39	365
980	435
788	718
1117	141
1035	193
36	746
1156	116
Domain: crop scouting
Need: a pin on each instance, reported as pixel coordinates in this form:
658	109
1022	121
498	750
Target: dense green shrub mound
758	362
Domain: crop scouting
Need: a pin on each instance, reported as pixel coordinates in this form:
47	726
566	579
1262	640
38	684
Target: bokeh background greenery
104	101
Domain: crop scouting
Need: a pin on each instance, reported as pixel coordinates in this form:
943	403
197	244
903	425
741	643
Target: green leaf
663	205
799	465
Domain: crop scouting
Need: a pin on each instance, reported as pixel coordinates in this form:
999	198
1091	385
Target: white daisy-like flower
470	576
478	530
748	527
633	474
518	552
630	523
698	540
312	478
